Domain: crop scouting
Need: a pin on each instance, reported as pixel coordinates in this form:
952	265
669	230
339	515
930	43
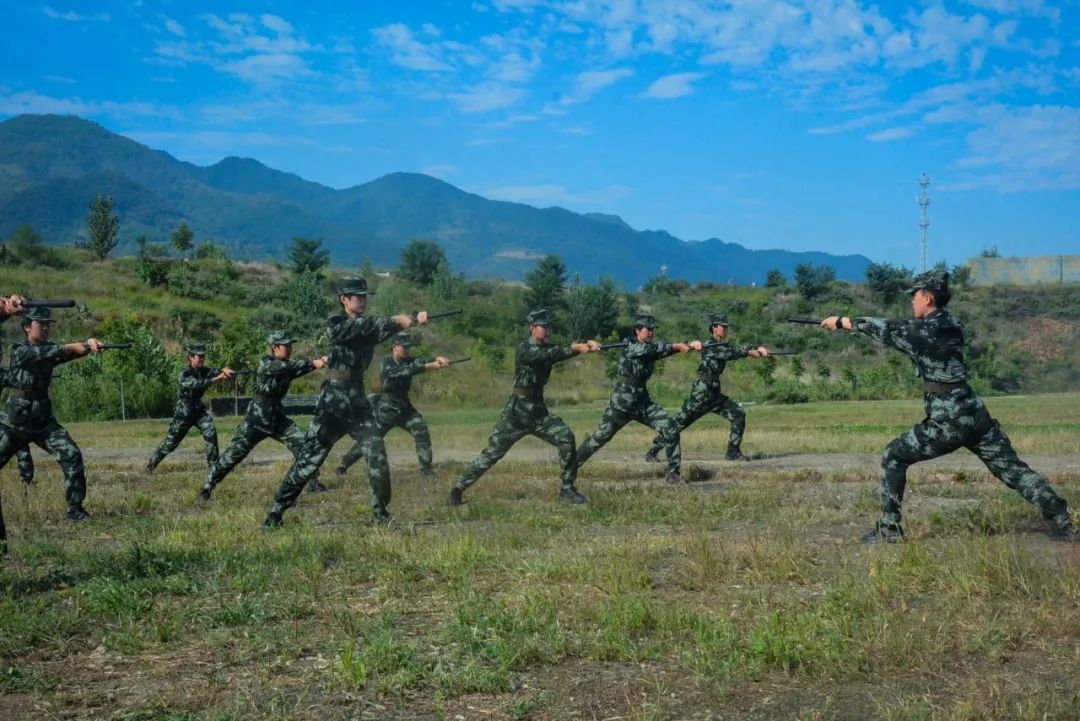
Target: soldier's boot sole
76	514
204	494
316	487
571	495
651	457
454	499
1062	530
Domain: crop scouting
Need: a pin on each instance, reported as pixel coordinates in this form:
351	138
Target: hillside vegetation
1020	340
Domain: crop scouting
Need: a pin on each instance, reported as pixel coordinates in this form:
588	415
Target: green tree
812	281
182	238
446	286
775	279
592	311
103	226
961	275
887	281
307	302
420	260
545	284
150	264
308	255
991	252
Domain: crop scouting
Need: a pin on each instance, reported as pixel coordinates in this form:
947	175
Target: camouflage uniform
30	417
265	417
22	456
630	401
342	408
955	414
189	411
705	396
526	413
393	409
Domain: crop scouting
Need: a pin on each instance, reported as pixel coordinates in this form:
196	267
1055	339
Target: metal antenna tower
924	215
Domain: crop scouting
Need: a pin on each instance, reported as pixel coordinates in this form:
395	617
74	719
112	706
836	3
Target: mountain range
52	166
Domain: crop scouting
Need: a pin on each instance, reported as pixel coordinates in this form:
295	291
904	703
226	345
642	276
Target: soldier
955	414
265	417
526	413
189	410
392	406
13	305
342	406
630	399
705	396
29	411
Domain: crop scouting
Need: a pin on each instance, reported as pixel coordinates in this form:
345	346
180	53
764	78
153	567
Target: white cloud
32	102
586	85
676	85
175	28
888	134
60	79
439	171
73	17
267	70
485	97
553	194
407	51
277	24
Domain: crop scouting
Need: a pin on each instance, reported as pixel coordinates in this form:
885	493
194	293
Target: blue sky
798	124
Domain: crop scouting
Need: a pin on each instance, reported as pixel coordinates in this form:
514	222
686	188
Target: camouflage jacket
29	375
532	367
636	364
272	380
935	343
397	377
714	359
352	344
194	382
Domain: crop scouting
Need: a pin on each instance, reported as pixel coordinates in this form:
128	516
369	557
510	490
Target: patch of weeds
25	680
115	600
525	708
623	629
243	610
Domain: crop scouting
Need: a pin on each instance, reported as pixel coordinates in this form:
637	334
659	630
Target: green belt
30	395
936	388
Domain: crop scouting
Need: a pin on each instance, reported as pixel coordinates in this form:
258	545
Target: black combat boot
734	454
884	533
76	512
652	457
1062	529
204	493
454	499
673	477
273	520
314	486
341	471
571	495
427	473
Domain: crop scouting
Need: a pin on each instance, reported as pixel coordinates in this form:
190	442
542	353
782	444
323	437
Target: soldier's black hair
941	297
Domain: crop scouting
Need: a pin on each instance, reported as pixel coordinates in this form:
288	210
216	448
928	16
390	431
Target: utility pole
924	215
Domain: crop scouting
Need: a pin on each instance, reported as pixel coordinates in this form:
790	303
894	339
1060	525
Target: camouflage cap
718	319
540	316
279	337
931	280
644	320
41	315
196	349
404	339
354	286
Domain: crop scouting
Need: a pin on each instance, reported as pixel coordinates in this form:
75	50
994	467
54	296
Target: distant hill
51	167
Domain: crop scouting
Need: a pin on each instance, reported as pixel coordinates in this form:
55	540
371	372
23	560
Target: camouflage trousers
959	419
178	429
703	401
522	418
248	435
408	419
22	456
618	414
55	439
325	430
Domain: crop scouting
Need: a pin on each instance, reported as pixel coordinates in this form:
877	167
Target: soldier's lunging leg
26	465
367	435
178	429
692	409
324	431
555	431
209	434
505	435
245	439
996	451
658	419
416	426
920	443
610	424
354	454
57	440
733	412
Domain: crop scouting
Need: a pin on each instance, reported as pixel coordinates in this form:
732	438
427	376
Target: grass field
741	595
